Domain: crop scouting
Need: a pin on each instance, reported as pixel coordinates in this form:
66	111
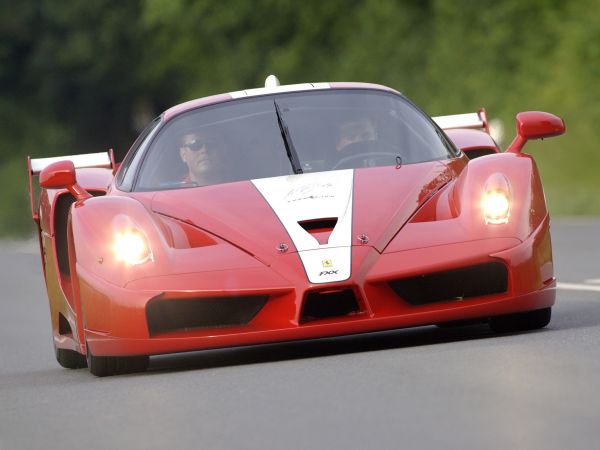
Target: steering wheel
360	150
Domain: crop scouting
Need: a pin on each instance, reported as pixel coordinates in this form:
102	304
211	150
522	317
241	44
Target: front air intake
459	284
166	315
329	303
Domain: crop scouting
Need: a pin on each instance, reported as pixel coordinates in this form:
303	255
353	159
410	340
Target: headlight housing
496	200
130	244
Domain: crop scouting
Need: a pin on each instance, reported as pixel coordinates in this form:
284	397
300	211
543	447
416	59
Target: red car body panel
467	140
427	220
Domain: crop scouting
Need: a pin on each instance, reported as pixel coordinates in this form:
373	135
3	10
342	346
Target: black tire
70	359
103	366
530	320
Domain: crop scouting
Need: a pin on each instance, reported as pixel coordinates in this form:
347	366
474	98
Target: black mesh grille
323	304
179	314
474	281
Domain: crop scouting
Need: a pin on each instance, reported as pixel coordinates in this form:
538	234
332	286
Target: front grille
181	314
328	303
473	281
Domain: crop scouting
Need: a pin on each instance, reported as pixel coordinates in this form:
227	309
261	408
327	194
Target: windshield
289	133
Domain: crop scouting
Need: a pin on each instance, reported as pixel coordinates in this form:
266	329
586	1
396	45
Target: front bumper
117	325
102	344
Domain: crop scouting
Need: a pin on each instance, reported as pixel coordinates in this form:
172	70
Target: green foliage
82	76
15	219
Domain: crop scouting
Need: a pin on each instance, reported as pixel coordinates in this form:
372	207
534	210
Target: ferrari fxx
291	212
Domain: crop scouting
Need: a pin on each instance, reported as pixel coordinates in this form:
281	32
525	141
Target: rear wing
477	120
35	166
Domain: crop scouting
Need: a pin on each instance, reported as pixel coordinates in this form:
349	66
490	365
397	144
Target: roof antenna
272	81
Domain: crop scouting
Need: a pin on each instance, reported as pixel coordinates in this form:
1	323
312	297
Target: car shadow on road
315	348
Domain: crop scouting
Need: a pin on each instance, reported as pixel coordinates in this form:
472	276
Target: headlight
131	247
496	206
496	200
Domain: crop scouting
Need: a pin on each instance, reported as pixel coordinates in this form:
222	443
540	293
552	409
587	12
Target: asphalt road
421	388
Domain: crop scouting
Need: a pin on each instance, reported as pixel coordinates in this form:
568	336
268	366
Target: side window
127	170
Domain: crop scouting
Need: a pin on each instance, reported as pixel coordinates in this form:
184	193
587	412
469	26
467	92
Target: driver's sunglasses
199	144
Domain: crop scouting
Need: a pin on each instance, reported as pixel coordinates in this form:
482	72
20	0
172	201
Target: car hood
320	215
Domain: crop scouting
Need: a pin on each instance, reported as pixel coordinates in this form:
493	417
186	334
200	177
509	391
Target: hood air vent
320	229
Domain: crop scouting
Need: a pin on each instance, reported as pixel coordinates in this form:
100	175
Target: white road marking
592	281
578	287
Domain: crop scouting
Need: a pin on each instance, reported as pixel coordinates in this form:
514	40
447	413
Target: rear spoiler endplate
477	120
104	160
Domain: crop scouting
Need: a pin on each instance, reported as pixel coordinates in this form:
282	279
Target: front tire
70	359
530	320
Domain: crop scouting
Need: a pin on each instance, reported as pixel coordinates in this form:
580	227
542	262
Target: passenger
355	131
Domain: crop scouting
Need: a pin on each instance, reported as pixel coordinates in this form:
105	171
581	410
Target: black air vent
61	215
330	303
320	229
64	328
474	281
319	225
181	314
478	152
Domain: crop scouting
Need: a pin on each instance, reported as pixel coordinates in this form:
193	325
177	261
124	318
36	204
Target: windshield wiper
287	140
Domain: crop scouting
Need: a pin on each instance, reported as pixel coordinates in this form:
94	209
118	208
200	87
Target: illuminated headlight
496	200
496	206
131	247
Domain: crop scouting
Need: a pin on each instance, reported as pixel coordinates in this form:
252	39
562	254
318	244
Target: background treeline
82	76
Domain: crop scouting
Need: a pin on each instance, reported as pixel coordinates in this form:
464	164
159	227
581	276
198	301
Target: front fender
94	223
528	206
455	214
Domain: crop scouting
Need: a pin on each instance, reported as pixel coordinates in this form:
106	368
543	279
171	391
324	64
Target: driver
355	131
202	152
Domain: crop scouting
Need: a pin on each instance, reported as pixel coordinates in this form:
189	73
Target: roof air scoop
320	229
272	81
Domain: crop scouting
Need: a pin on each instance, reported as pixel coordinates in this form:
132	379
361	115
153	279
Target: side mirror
535	125
58	175
61	175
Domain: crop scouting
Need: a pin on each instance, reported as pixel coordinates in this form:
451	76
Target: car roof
220	98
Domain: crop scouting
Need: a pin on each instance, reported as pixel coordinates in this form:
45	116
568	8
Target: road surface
420	388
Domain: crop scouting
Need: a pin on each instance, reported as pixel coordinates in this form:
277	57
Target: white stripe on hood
296	198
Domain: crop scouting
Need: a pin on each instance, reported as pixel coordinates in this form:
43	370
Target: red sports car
291	212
